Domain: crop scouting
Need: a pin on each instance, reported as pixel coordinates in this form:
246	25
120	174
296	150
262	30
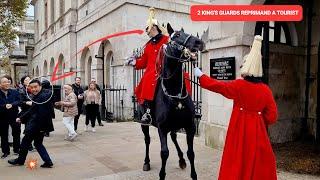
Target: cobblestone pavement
116	152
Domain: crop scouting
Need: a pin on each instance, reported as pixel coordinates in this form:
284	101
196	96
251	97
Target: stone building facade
21	56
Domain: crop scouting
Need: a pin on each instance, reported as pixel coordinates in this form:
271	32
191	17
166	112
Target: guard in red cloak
247	151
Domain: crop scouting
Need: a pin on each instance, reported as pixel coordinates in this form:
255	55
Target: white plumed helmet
252	62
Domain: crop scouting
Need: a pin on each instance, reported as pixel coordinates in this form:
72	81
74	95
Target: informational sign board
223	68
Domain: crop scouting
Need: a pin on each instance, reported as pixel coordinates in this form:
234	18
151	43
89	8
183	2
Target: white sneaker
86	128
93	130
72	137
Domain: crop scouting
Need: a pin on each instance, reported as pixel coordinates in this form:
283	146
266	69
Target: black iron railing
115	103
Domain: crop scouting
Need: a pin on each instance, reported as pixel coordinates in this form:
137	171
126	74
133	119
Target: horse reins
186	53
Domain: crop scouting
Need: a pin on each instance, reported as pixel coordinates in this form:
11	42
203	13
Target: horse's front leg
182	161
190	136
145	130
164	152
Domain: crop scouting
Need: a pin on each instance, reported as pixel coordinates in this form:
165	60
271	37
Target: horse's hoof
194	177
146	167
162	176
182	164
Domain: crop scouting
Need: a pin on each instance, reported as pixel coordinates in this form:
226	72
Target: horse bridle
186	53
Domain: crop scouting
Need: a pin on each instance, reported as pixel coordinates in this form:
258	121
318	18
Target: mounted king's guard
146	89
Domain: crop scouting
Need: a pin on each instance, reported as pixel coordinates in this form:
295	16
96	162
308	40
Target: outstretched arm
141	63
227	89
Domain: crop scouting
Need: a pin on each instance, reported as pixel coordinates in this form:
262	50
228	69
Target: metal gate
196	90
114	103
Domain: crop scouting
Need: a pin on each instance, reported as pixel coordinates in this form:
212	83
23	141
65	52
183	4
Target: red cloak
148	83
247	152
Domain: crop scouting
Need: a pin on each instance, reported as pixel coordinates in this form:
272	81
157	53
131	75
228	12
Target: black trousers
75	122
92	111
99	116
76	118
16	131
37	137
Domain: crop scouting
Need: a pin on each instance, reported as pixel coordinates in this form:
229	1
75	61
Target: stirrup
146	117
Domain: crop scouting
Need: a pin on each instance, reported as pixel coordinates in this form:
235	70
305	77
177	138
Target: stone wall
287	81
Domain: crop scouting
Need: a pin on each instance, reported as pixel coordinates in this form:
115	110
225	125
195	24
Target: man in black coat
38	122
9	101
77	89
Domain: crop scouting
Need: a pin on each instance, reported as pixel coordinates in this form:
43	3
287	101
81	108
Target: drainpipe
308	78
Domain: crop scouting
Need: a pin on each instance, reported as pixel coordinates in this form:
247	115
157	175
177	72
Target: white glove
197	72
131	61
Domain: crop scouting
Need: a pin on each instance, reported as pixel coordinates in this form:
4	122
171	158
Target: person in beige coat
70	108
92	101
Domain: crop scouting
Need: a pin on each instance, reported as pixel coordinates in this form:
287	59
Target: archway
61	67
105	52
86	66
45	68
89	70
51	66
37	72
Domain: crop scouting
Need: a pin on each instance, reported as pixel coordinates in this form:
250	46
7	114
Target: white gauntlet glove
131	61
197	72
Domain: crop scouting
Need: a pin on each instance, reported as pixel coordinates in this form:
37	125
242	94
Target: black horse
173	108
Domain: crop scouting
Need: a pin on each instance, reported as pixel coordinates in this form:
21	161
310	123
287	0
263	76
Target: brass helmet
152	21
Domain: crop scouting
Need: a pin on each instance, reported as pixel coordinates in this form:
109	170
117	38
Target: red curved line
55	70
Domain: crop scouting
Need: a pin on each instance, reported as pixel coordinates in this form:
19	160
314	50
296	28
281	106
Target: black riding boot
146	118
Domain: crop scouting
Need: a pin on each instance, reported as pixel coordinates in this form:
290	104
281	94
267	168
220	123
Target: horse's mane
160	60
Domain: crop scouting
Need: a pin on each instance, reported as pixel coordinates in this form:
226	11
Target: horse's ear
169	29
182	30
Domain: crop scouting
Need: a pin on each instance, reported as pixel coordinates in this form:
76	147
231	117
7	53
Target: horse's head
187	44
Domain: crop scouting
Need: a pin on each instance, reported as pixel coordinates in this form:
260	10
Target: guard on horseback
145	91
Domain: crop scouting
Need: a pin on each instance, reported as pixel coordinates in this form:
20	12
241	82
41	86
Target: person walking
70	108
247	152
78	90
9	102
38	121
92	101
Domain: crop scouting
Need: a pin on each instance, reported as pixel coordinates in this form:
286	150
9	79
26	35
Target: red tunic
247	152
148	83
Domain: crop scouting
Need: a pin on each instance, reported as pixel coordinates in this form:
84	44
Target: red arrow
54	76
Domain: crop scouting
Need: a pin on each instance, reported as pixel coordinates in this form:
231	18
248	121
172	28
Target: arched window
278	32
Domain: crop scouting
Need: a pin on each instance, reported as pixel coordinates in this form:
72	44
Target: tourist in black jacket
38	121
